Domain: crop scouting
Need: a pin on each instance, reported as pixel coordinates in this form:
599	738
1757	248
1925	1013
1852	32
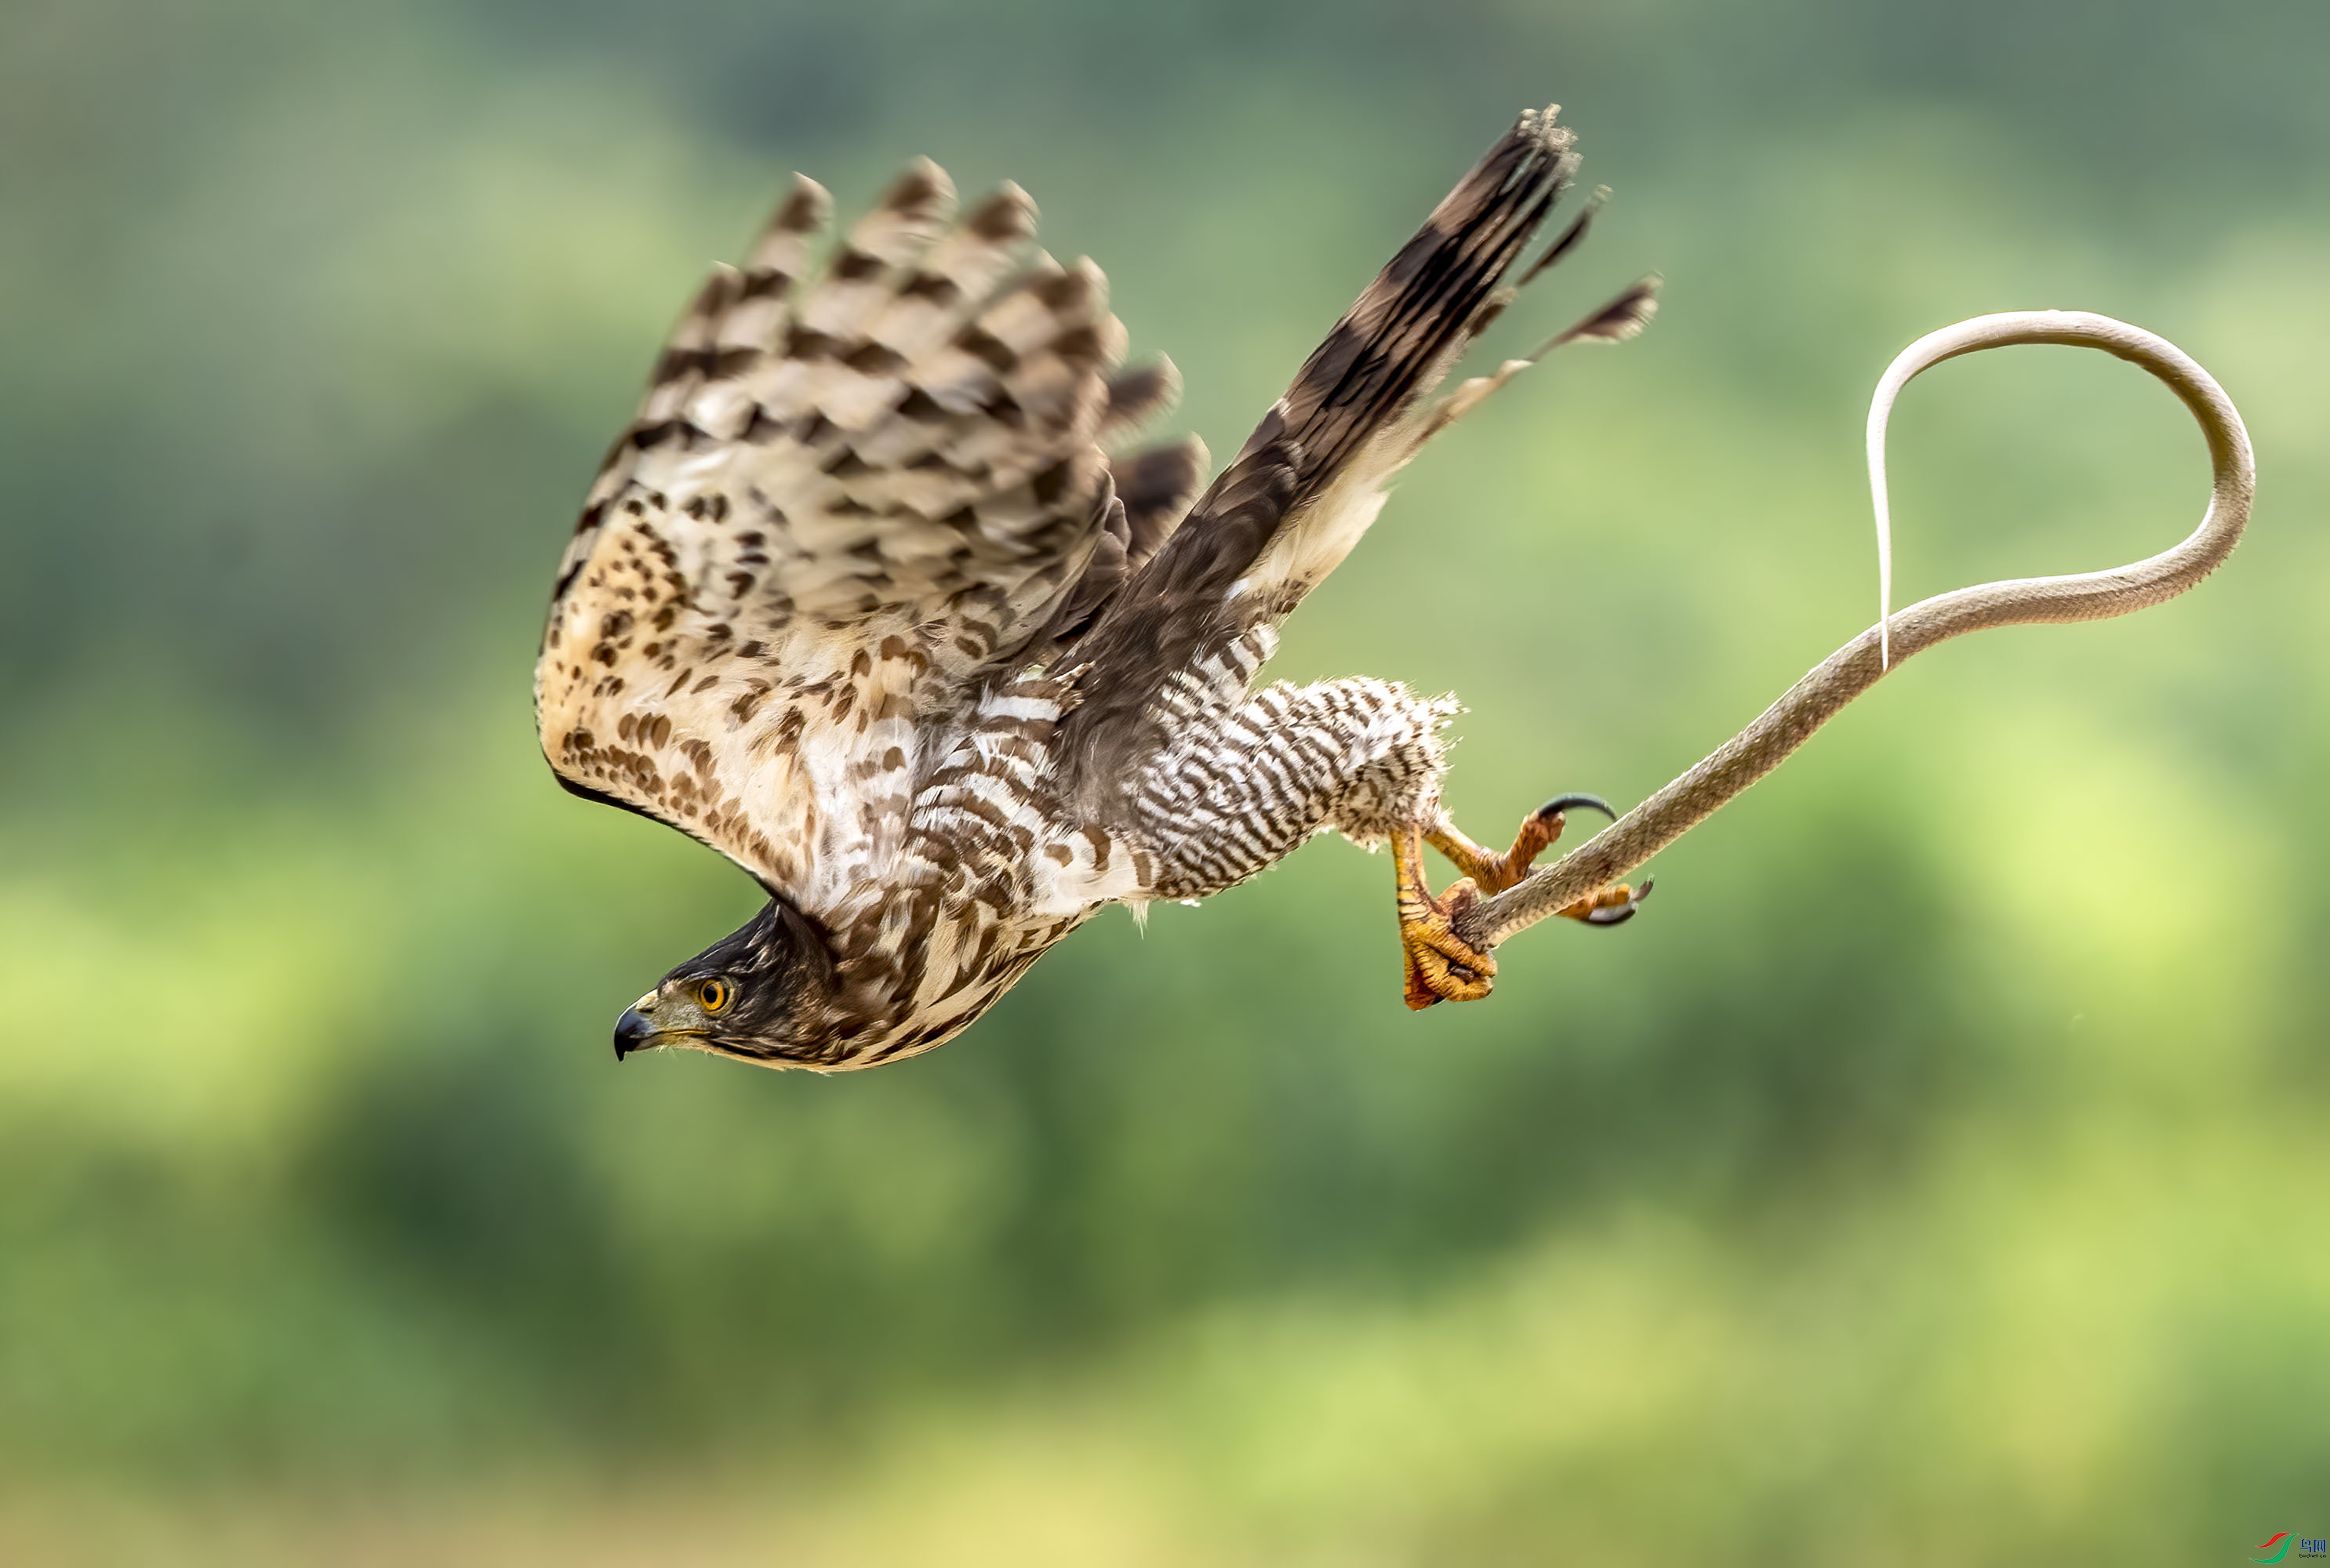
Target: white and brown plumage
862	600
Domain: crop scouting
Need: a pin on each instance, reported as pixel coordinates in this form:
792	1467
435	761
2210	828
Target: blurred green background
1936	1174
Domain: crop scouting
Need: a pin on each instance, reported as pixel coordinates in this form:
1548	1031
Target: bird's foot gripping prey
871	599
1441	966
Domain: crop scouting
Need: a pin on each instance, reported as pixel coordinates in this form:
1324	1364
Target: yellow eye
711	995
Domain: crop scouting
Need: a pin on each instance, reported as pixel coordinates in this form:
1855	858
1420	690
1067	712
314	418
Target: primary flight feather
864	600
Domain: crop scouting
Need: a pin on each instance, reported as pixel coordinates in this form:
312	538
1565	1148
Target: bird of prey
873	599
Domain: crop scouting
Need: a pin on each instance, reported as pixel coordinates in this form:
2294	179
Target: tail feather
1614	322
1405	332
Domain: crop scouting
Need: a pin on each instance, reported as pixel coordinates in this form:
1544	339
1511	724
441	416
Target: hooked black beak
632	1033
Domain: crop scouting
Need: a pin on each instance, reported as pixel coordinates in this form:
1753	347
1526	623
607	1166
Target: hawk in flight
873	599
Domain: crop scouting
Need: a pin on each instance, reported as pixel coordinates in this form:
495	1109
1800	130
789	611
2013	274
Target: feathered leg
1244	783
1242	786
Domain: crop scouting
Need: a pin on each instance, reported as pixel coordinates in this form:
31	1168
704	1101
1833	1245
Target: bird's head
758	994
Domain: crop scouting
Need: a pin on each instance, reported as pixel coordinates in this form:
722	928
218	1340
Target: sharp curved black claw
1561	803
1619	914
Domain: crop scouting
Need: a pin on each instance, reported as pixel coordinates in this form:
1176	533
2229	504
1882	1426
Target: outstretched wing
840	500
1310	479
